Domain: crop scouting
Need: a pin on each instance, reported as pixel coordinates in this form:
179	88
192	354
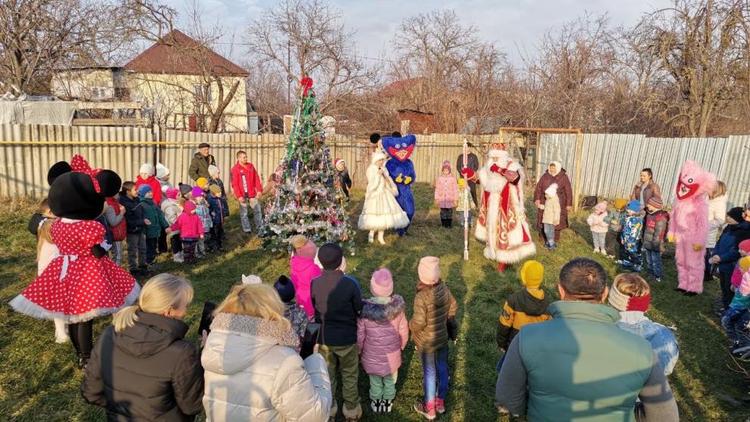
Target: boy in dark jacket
632	235
726	252
155	222
431	326
654	234
524	307
135	221
337	300
217	210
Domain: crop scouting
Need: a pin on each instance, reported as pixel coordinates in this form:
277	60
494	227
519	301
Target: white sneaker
178	258
596	250
371	237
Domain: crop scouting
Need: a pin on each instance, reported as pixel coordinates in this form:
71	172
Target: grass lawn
39	380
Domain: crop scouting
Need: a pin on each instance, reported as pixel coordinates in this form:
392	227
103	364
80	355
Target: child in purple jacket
382	333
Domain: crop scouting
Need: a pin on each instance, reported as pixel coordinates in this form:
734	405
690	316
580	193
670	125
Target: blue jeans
435	374
734	321
653	261
549	233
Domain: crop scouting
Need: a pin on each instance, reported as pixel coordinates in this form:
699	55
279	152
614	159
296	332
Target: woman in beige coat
252	371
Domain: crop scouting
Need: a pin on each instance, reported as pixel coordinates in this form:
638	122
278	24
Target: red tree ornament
306	84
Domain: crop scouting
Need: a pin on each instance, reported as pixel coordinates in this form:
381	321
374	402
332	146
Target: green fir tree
306	198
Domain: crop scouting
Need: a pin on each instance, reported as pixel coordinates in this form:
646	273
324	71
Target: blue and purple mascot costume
401	169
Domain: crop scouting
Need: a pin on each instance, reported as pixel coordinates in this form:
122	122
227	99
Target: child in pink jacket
302	271
744	249
446	194
191	230
382	333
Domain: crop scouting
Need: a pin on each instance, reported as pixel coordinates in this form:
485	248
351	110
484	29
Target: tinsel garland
307	200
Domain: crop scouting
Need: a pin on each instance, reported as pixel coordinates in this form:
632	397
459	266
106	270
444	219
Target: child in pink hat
302	271
382	333
744	250
432	326
446	194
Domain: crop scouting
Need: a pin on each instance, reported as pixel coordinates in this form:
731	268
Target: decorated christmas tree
306	198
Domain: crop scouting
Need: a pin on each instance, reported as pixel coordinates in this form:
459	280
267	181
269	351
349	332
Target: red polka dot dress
76	286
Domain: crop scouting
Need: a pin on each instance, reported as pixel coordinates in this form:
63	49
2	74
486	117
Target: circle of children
255	364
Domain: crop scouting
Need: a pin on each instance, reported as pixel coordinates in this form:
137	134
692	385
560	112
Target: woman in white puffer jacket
252	371
717	211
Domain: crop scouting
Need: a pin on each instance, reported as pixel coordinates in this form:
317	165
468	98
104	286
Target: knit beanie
623	302
655	202
189	207
429	270
213	171
215	189
284	288
303	246
185	189
146	168
634	206
381	283
446	165
161	171
197	192
744	264
202	183
338	161
744	246
143	190
330	256
620	203
600	207
532	274
172	193
736	214
251	279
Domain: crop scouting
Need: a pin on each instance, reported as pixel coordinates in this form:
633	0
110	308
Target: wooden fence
27	151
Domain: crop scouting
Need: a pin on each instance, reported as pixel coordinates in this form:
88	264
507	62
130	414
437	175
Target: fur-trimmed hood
383	312
237	341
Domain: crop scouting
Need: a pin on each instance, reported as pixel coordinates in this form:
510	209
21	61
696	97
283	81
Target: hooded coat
382	333
253	373
147	372
434	306
302	272
564	194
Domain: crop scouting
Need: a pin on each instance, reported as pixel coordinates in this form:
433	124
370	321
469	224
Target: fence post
577	166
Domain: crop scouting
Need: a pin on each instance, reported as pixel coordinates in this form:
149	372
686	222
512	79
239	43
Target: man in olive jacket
201	160
579	365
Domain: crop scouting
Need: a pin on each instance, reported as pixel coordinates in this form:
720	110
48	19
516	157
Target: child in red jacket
247	187
191	230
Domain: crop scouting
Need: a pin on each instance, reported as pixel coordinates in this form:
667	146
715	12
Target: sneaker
426	410
440	406
375	405
740	349
503	410
657	279
596	250
178	258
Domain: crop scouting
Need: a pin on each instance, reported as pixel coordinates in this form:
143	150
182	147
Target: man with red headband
502	218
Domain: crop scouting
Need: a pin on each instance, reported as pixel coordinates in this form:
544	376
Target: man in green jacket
579	365
201	160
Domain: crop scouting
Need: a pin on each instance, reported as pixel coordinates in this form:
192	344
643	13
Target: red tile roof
178	54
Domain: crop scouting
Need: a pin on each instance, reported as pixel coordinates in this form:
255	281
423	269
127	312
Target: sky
515	26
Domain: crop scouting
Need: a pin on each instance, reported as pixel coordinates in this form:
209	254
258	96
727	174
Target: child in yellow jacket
523	307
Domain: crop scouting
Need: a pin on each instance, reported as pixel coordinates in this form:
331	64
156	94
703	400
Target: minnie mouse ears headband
105	182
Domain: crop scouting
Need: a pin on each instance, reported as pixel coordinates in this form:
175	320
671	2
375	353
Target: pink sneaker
440	406
427	410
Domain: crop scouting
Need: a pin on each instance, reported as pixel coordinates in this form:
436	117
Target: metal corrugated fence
611	163
27	151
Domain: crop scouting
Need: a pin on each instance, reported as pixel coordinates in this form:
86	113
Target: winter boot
376	405
501	267
371	237
352	415
381	240
439	406
334	410
387	406
449	222
427	410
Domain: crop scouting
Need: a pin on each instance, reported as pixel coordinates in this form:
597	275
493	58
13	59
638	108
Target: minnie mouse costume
82	283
